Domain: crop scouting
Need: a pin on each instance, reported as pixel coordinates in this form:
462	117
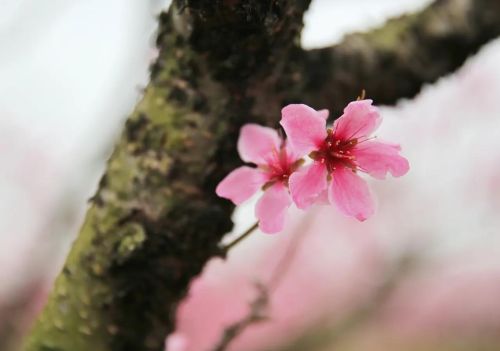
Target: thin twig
225	249
257	313
260	305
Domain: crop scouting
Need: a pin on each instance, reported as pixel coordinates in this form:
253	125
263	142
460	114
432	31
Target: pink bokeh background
443	214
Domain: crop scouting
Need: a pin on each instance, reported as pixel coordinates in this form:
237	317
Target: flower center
280	167
335	152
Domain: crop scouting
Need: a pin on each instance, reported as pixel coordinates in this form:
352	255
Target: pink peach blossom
338	154
275	163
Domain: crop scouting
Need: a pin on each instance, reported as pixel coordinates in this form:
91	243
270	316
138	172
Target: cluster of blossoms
338	154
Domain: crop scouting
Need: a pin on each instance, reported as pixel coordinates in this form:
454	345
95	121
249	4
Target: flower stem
242	236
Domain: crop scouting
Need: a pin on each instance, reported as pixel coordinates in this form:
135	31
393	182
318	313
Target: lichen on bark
394	61
155	220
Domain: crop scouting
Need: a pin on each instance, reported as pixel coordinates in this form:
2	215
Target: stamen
367	139
341	155
356	132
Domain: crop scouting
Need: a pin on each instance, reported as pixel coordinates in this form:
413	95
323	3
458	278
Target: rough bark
155	220
395	60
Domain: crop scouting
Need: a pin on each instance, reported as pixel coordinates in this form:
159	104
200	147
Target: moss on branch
155	220
397	59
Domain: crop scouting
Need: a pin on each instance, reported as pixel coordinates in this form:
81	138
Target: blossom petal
350	194
360	119
377	158
322	198
304	126
257	142
291	155
324	113
271	208
307	184
241	184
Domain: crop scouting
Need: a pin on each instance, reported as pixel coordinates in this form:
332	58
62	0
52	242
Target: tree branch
256	314
258	309
155	220
395	60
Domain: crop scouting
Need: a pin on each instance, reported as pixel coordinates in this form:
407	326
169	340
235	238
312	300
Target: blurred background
422	274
